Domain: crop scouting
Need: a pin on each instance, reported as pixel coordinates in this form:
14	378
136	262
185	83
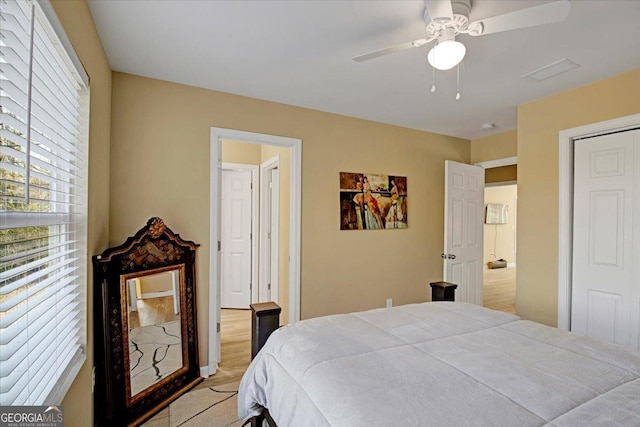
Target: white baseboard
205	372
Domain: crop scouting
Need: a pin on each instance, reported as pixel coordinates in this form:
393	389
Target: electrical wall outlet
390	302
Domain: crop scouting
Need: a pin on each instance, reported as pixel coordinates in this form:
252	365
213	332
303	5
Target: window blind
43	206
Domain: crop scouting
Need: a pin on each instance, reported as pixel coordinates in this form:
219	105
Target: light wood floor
235	345
499	291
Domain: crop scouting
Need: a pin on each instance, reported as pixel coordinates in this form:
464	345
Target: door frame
272	163
295	144
566	141
489	164
506	161
255	188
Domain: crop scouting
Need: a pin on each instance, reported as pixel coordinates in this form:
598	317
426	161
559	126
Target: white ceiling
299	53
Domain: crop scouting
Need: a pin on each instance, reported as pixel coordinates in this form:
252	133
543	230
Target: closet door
606	245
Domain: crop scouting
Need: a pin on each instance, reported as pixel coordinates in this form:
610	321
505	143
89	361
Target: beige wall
499	239
494	147
78	24
256	154
539	123
501	174
160	167
241	152
497	146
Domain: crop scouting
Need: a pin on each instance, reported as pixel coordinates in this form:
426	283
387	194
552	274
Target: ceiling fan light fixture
446	54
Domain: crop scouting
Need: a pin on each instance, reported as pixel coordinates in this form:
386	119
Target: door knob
447	256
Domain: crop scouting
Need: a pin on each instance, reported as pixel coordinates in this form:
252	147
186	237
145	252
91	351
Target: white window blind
43	206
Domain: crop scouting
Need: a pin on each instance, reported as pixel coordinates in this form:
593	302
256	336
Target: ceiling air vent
551	70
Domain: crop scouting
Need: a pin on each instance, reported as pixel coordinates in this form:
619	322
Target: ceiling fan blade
547	13
392	49
439	10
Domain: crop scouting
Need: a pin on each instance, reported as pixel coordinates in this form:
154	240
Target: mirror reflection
155	344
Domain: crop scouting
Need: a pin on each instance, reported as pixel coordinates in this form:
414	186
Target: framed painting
371	201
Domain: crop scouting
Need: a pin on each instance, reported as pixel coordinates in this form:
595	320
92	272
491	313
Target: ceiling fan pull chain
433	80
433	76
458	83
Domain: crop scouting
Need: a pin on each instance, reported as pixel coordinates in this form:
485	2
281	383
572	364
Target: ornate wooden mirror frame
154	251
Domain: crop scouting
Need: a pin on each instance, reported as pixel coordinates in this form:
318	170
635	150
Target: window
43	204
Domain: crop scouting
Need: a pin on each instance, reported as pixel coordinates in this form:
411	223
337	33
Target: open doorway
254	224
254	241
268	242
500	230
499	254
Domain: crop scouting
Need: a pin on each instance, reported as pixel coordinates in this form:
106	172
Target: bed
439	364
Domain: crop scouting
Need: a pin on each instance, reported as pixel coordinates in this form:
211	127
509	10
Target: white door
463	229
236	239
606	245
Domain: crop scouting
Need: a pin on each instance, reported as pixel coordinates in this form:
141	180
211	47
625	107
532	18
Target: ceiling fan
445	19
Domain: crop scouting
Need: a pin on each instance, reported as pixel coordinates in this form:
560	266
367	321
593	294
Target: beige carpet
212	407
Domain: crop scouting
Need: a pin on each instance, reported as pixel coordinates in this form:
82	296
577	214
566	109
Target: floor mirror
145	337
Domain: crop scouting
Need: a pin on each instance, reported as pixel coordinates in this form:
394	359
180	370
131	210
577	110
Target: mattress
439	364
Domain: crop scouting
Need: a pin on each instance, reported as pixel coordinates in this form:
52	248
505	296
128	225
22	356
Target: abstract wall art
370	201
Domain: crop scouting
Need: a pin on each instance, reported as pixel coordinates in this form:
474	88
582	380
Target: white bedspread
439	364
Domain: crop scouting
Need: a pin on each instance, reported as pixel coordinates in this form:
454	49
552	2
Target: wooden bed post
265	318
